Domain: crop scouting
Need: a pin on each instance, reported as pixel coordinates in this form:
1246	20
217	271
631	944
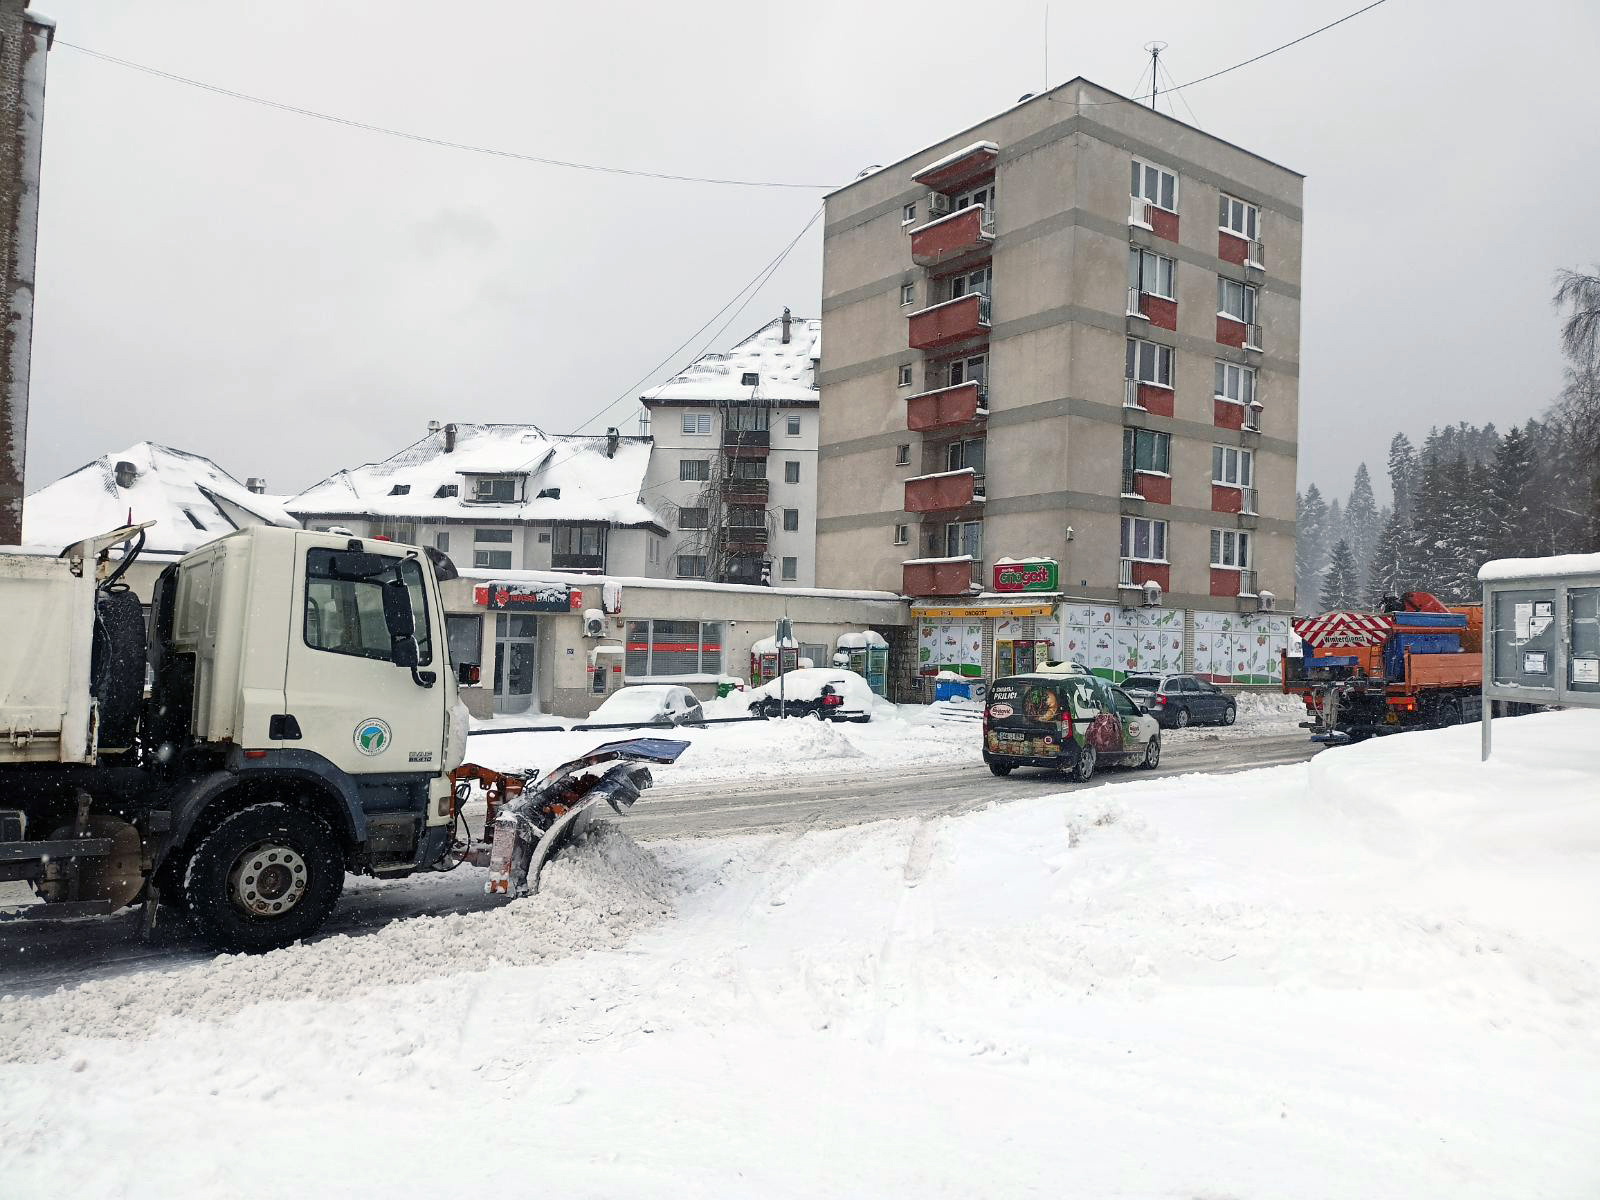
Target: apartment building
1066	337
734	465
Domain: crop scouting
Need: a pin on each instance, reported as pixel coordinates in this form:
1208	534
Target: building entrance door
516	663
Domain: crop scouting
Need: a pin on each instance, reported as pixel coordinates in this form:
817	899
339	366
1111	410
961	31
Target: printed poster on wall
1241	648
949	646
1115	642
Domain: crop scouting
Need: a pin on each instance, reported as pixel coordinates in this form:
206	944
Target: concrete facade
1055	407
24	45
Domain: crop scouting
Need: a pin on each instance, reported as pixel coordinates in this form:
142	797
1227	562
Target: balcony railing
947	408
577	562
745	569
1139	212
745	489
1135	309
1130	394
1252	337
944	491
1125	573
1255	255
965	231
1247	583
1128	489
1252	417
1247	501
746	437
953	321
939	576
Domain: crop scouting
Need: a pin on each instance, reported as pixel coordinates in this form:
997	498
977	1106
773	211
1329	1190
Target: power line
446	143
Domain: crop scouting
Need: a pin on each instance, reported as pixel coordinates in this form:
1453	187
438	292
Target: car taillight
1066	726
832	701
1161	699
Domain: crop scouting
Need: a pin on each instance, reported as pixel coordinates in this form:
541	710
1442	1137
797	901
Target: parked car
1065	721
649	704
1178	700
830	693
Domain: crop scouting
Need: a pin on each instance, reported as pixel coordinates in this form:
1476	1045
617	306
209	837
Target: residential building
1069	335
503	498
734	464
25	39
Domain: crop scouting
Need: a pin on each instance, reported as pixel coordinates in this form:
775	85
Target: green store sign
1036	575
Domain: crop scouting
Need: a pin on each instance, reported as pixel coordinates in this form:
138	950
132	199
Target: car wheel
1229	715
1083	768
766	709
1152	753
1000	769
1181	719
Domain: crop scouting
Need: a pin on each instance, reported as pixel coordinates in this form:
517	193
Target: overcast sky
289	296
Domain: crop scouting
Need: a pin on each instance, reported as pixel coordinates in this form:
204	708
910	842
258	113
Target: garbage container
952	689
723	688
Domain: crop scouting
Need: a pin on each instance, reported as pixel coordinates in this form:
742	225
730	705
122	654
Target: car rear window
1148	682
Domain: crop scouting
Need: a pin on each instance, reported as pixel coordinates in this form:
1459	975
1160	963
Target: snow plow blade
535	826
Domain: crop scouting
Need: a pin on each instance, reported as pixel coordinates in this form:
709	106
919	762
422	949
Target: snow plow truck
1418	664
289	716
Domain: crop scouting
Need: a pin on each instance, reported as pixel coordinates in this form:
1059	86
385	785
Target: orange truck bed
1444	670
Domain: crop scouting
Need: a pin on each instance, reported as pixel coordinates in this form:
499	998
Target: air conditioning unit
594	623
1152	594
1266	602
938	204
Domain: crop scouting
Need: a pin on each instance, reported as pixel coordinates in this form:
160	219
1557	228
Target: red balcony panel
1157	489
1164	223
1230	332
939	493
962	166
747	490
946	408
1226	499
1160	312
746	451
962	232
951	322
936	578
1232	248
1148	572
1227	415
1224	582
1157	400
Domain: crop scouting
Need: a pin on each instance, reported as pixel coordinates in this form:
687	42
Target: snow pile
594	895
787	370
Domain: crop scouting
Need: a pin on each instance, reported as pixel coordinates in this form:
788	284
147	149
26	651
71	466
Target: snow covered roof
785	368
191	499
1561	565
417	483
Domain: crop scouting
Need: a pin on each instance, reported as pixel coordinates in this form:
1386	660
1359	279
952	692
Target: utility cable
446	143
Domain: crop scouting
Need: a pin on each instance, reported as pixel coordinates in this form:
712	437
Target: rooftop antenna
1155	49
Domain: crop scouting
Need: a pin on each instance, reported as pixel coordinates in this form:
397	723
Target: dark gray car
1179	700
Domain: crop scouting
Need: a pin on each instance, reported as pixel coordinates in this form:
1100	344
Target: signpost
784	632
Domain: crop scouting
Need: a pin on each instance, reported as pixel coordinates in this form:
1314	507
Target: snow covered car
649	704
831	693
1065	721
1177	700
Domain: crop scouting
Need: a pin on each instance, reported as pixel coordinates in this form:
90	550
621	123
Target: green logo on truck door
372	736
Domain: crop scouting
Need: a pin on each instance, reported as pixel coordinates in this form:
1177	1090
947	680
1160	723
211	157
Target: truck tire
265	877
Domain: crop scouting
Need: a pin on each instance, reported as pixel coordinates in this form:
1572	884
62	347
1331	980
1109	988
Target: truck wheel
1083	768
267	876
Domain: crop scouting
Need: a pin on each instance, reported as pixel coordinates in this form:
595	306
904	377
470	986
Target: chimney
256	484
450	438
613	440
785	324
644	422
126	473
434	427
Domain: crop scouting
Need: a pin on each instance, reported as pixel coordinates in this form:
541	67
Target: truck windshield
344	603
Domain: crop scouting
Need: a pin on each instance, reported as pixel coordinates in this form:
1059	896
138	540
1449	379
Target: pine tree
1402	474
1333	528
1361	520
1340	587
1389	573
1509	482
1311	517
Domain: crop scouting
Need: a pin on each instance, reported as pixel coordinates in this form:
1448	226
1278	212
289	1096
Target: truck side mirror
403	651
397	611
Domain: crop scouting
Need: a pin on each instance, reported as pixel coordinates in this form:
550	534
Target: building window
1236	301
791	568
979	282
968	370
441	542
1236	383
691	566
904	376
492	560
791	471
1232	467
1144	540
908	214
696	422
652	550
544	537
396	531
495	489
1155	185
749	468
750	419
1152	273
964	537
579	547
908	294
791	520
747	516
673	648
692	518
694	470
1149	363
962	455
983	195
902	535
491	536
1230	549
817	652
1239	218
1146	450
792	426
902	454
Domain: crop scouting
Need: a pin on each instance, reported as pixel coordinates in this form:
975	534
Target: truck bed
45	706
1444	670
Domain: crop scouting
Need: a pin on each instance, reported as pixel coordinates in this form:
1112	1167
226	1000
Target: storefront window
673	648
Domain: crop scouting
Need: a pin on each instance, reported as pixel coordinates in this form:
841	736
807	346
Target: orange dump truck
1416	665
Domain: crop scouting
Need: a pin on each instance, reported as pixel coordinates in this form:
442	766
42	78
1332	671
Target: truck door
354	704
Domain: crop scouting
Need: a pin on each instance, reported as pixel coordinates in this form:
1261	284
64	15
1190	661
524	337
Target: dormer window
494	489
400	489
447	490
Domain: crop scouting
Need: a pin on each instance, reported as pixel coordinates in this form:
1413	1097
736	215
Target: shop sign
529	597
992	610
1031	575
